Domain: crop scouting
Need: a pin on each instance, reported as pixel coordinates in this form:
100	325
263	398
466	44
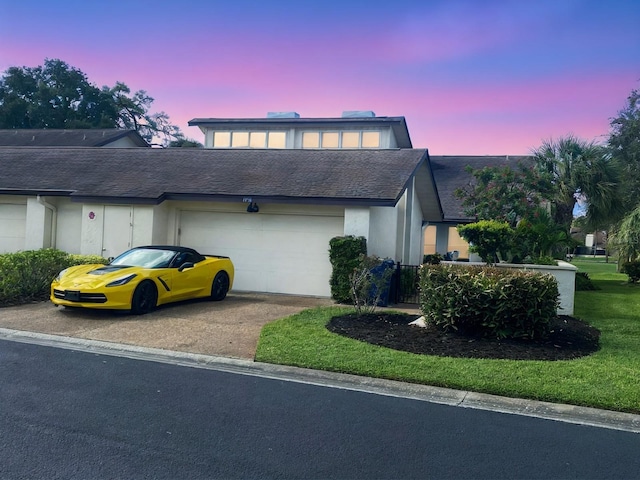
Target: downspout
54	218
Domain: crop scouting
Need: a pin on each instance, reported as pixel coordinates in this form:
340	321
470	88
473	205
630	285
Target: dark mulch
569	338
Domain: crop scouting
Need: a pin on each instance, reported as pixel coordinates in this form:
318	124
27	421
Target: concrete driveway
229	328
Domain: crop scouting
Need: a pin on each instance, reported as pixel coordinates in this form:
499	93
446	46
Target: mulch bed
569	338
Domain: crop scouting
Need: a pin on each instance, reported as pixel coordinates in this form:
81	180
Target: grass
607	379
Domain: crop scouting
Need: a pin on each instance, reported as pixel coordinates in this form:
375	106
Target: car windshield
145	257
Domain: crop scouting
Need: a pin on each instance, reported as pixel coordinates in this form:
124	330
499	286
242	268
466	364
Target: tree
133	113
503	193
626	240
185	143
624	144
56	95
53	96
577	166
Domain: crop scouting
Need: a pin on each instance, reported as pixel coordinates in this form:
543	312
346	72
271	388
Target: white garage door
13	220
271	253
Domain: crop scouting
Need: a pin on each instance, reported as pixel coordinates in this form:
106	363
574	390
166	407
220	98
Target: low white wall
564	273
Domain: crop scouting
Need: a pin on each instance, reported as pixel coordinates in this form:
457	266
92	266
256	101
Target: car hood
91	276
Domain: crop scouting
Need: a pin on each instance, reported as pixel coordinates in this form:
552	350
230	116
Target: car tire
145	298
219	286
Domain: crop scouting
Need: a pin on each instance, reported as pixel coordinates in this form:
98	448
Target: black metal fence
404	284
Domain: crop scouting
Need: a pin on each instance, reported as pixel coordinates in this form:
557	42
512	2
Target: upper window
350	139
330	140
249	139
310	139
347	139
370	139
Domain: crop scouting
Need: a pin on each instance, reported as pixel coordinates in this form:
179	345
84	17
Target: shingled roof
67	138
145	175
449	175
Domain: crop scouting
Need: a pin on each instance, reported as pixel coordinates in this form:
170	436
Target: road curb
551	411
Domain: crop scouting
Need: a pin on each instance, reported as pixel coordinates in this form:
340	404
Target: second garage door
271	253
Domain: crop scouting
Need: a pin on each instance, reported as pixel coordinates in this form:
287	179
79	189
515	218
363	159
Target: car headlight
122	281
60	275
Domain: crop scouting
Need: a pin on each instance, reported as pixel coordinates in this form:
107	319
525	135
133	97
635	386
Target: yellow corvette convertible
142	278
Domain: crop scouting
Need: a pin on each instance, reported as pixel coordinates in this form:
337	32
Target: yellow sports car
142	278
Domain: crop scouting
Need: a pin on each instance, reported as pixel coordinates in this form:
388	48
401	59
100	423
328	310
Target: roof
67	138
449	175
397	124
146	175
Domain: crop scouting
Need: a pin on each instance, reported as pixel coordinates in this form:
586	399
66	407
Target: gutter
54	218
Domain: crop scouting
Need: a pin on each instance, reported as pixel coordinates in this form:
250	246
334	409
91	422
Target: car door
192	281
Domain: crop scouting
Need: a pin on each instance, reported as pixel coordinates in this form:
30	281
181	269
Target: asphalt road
72	414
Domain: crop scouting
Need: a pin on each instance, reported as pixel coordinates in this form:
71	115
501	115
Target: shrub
583	282
344	255
632	269
27	275
488	301
370	282
487	238
432	259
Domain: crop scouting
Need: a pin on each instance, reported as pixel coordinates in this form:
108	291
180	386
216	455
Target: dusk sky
471	77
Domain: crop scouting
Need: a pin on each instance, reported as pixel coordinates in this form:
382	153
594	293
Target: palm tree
579	166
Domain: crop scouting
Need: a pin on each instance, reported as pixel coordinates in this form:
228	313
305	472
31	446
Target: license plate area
72	295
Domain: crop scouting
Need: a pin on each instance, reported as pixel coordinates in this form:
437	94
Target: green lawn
608	379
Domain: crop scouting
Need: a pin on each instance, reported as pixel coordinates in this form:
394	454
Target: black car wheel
144	299
220	286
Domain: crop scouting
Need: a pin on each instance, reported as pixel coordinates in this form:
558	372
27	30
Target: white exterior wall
383	240
68	225
161	216
357	222
416	233
399	230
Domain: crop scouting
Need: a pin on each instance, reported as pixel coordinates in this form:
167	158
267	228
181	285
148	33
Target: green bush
432	259
632	269
487	238
488	301
26	276
344	255
583	282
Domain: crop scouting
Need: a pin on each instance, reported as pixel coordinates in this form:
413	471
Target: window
370	139
310	139
258	139
277	140
330	140
240	139
350	139
221	139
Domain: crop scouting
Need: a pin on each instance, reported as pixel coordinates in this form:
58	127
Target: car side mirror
186	265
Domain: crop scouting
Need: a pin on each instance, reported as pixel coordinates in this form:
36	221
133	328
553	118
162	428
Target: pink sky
471	77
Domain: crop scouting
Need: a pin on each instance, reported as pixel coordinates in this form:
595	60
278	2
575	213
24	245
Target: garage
13	220
275	253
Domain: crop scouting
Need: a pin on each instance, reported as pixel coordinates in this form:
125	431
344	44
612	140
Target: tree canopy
504	193
580	167
624	144
56	95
